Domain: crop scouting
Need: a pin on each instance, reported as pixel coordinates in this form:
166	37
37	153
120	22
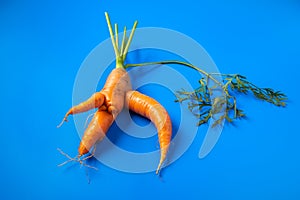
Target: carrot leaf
225	106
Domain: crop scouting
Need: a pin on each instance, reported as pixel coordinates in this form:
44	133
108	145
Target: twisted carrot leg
151	109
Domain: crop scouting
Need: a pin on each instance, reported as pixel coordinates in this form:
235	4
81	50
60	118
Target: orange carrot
151	109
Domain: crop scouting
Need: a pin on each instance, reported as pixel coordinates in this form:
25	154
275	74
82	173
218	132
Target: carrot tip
158	172
158	169
61	123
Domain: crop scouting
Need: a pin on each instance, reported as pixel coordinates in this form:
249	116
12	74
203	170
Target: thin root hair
62	122
76	159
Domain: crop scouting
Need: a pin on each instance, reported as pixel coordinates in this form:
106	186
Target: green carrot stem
129	40
123	42
177	62
112	35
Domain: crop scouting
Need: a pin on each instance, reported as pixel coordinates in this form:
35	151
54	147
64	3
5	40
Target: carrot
151	109
111	100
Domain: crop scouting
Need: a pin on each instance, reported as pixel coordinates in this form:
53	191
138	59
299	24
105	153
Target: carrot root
154	111
76	159
95	101
62	122
162	160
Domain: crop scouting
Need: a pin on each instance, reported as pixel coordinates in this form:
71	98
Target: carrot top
203	106
120	51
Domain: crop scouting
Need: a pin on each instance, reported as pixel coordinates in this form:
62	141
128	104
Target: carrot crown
120	51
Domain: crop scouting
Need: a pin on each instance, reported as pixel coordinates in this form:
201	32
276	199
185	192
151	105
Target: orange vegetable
111	100
151	109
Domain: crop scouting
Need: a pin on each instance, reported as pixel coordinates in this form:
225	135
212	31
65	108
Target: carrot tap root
151	109
95	131
95	101
162	160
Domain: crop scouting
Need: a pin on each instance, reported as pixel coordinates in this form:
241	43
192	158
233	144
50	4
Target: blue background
43	43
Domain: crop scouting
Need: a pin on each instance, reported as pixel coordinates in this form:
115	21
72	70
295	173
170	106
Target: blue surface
42	45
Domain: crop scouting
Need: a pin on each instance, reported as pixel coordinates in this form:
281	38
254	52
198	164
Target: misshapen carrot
151	109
